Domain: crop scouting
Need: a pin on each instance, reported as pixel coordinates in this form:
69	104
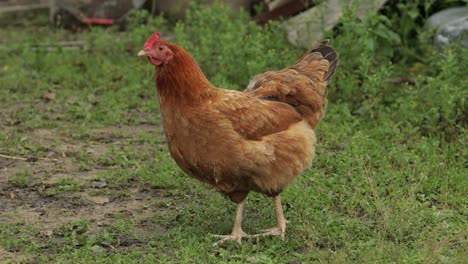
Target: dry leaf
49	96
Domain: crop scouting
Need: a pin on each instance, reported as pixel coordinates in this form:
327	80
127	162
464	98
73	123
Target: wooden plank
18	8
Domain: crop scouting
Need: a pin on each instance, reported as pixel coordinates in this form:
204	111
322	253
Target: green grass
64	185
21	178
388	184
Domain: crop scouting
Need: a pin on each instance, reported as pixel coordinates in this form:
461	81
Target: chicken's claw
279	230
236	236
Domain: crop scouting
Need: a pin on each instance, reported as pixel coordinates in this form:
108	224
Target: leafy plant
235	46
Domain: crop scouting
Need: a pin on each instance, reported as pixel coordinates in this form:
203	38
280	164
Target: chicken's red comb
154	38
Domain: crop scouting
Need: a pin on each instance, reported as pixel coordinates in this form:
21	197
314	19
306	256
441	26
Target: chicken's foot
280	228
237	234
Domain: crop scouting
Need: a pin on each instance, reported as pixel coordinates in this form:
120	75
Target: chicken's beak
142	53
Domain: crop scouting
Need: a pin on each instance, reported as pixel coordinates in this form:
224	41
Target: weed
65	185
21	178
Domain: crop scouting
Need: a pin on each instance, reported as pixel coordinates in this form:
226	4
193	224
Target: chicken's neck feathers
182	80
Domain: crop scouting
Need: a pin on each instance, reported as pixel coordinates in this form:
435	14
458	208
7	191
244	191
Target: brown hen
258	140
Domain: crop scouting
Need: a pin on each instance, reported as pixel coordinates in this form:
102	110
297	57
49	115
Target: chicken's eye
160	48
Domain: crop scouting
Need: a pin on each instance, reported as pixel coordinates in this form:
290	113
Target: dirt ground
37	203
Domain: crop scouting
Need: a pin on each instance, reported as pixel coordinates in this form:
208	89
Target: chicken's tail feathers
330	55
313	64
302	85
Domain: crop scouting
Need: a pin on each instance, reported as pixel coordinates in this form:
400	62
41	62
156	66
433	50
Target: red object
98	21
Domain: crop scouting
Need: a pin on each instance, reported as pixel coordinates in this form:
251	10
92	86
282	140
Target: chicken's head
157	52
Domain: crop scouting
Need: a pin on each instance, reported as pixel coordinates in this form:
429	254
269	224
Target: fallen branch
31	159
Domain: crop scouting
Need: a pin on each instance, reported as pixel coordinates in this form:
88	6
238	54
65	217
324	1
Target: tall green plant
231	49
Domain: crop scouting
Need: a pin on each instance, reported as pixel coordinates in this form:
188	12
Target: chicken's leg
280	229
237	234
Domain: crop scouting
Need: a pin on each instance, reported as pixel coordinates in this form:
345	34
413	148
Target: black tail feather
329	54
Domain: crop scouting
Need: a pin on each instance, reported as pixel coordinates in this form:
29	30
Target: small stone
98	184
100	199
97	249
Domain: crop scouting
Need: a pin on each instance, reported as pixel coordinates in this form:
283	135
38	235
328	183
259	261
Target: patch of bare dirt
31	205
50	212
